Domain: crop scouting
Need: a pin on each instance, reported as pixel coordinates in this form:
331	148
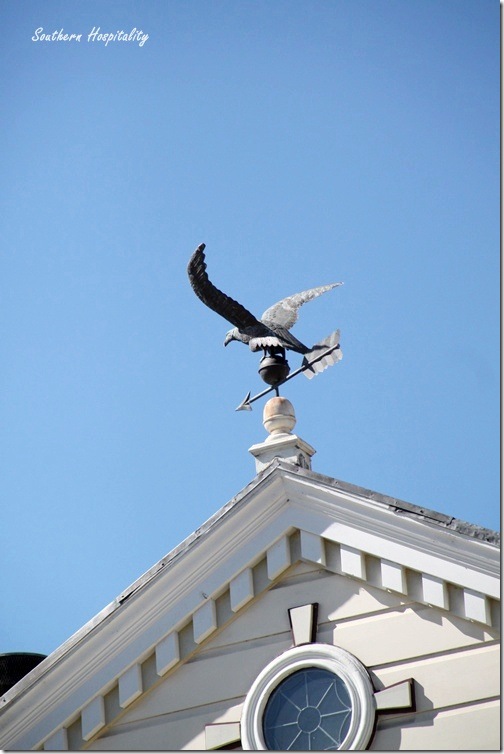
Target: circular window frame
328	657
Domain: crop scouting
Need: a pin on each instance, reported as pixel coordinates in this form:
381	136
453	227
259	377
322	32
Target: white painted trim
221	734
476	606
352	562
302	620
395	697
278	557
204	621
167	653
130	685
435	591
241	589
312	548
334	659
258	522
378	530
393	577
93	718
58	741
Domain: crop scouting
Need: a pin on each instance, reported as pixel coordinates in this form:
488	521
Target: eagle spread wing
215	299
285	312
272	330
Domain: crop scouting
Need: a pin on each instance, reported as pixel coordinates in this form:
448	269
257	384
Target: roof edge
401	507
264	477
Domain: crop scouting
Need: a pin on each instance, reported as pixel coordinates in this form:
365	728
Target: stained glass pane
310	710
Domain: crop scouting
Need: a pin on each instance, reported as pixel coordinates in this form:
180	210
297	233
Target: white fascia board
276	504
125	636
375	529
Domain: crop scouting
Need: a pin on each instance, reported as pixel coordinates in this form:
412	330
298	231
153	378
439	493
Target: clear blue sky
305	142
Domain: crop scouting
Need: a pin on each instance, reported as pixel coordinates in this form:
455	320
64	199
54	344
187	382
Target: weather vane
270	334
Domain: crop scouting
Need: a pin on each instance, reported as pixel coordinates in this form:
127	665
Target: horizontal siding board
208	680
449	679
339	598
176	731
164	734
398	636
472	728
379	627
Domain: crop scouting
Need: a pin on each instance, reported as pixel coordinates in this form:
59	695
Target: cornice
259	524
158	602
379	530
400	507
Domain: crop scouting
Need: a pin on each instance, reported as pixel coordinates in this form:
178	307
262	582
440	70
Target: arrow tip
245	404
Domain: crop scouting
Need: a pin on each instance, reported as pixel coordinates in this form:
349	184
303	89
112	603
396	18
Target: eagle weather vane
270	334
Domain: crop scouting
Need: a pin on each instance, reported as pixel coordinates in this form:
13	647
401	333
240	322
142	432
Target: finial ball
279	416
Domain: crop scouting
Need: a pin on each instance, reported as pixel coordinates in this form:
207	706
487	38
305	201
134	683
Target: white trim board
283	516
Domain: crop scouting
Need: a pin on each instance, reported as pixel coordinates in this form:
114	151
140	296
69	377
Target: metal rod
245	404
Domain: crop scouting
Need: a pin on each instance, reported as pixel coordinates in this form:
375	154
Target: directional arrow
311	366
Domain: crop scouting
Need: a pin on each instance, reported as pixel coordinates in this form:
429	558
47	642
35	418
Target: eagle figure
269	333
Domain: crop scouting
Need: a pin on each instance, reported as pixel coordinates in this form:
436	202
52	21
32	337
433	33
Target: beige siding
340	598
454	664
471	728
446	680
207	679
406	633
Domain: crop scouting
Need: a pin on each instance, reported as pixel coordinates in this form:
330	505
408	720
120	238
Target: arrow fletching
322	355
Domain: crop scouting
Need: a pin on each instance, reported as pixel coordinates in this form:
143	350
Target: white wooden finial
279	419
279	416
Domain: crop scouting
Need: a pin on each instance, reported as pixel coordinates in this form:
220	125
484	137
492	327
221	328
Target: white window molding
327	657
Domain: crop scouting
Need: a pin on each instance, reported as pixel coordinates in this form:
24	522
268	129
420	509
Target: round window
309	710
314	697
